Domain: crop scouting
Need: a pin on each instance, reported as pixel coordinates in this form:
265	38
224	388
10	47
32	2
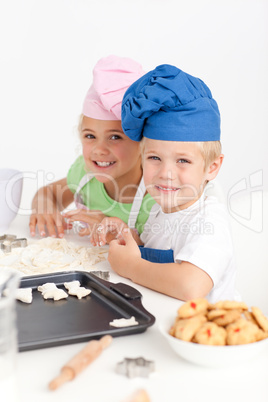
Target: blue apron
156	255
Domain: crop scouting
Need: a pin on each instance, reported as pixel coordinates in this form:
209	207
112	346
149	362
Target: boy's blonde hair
210	150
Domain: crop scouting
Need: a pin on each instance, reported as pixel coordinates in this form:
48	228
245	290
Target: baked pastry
185	329
193	307
211	334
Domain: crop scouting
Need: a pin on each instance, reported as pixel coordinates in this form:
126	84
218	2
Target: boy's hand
124	254
91	217
107	230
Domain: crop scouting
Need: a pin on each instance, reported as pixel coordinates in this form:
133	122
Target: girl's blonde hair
210	150
79	125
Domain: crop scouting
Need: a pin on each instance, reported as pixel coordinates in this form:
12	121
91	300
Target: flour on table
52	255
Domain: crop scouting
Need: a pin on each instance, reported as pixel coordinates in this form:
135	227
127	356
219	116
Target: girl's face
110	154
174	173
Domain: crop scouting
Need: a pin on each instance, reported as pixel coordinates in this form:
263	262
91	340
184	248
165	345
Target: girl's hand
48	224
91	217
46	206
124	255
107	230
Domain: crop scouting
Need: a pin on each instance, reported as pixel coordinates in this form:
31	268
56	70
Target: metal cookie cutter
8	242
101	274
78	226
138	367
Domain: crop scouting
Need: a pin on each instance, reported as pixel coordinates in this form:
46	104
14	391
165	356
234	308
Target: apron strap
85	179
136	205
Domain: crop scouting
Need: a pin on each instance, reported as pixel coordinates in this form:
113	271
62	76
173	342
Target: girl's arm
183	280
91	217
46	206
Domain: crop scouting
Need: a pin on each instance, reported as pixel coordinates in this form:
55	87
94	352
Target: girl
107	179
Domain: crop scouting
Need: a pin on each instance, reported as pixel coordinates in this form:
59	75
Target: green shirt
95	197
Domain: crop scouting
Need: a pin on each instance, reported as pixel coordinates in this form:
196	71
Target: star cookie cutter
9	241
102	274
78	226
137	367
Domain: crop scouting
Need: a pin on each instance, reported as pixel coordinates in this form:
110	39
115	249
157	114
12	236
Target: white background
48	50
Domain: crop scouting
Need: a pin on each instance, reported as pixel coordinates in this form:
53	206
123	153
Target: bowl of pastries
216	335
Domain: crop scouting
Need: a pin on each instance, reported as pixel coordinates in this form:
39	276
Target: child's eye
183	161
155	158
115	137
89	136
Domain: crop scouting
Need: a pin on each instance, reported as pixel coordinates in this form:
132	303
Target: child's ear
214	168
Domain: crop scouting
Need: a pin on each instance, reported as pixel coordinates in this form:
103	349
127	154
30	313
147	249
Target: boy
180	125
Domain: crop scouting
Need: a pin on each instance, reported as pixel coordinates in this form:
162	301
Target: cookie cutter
101	274
78	226
137	367
9	241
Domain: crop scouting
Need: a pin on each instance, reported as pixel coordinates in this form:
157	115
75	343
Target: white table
173	380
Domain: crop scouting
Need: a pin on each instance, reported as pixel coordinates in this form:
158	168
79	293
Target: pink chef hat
112	76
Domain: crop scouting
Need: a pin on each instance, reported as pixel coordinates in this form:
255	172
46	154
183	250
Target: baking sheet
46	323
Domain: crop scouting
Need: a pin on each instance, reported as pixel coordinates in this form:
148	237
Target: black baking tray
47	323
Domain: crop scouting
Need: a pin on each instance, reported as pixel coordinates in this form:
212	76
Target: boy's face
174	173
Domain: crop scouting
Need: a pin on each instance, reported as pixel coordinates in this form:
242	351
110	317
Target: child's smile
103	164
111	155
174	173
166	189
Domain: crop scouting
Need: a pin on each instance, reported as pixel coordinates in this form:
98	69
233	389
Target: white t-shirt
200	235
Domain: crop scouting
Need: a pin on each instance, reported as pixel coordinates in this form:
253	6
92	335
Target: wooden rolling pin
89	353
139	396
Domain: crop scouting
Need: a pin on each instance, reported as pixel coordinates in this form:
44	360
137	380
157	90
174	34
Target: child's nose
101	148
167	172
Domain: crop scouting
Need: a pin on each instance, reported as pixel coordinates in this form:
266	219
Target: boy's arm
183	280
111	228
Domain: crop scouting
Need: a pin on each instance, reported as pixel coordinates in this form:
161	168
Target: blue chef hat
168	104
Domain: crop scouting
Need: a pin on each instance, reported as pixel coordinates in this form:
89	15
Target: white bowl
211	356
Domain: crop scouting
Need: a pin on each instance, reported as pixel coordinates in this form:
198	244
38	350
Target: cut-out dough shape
25	295
50	291
74	289
123	322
